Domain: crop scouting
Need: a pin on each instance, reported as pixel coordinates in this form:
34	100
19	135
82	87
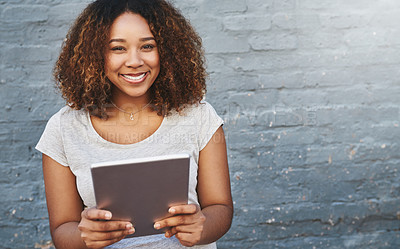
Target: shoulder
68	113
65	116
200	108
202	114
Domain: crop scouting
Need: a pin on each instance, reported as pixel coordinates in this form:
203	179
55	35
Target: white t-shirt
70	139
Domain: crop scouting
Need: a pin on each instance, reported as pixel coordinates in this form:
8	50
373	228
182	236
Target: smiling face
132	61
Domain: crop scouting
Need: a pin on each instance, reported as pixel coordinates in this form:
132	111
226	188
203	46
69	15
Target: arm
71	225
194	225
214	188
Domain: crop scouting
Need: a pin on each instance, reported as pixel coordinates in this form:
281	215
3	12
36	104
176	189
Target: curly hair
80	69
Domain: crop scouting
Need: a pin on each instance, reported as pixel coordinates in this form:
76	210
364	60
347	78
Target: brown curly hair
80	69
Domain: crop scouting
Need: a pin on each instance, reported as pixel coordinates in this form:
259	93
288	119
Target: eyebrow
123	40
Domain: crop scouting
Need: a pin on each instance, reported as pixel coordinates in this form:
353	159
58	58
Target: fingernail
157	225
132	230
171	210
128	226
108	216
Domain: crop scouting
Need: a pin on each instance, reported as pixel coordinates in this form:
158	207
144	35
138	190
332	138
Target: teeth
134	78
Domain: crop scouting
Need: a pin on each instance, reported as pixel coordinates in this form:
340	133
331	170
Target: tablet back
142	190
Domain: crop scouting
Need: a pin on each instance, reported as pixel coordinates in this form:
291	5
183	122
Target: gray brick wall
309	91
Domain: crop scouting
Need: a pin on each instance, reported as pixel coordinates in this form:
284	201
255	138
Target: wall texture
310	94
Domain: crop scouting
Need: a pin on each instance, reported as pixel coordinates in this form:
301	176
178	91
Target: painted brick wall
309	91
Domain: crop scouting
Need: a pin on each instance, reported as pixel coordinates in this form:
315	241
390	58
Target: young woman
133	77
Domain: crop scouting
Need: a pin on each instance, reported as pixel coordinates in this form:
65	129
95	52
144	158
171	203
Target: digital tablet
142	190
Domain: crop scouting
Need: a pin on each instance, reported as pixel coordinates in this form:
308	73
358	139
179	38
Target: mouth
134	77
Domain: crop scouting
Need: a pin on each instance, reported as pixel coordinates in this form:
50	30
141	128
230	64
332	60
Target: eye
117	48
149	47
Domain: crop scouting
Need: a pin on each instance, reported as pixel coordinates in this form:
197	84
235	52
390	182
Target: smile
136	77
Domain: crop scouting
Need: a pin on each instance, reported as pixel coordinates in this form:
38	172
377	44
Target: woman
133	77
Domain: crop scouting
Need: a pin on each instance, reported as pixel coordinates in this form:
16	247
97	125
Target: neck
121	99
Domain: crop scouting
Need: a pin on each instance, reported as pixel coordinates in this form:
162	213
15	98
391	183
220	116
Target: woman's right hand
98	231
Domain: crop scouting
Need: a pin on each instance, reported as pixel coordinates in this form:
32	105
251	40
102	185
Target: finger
96	214
174	221
108	226
104	236
192	228
184	215
105	226
184	209
169	233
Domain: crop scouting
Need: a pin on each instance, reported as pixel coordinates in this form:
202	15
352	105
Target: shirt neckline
146	140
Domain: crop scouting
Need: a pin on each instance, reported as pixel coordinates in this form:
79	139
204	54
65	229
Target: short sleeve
209	122
51	142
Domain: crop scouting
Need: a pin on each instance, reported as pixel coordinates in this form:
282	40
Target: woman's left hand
186	224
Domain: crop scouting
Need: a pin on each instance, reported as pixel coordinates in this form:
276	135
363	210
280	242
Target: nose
134	59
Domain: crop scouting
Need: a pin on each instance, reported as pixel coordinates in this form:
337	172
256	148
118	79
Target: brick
286	42
18	34
38	106
223	43
247	22
46	33
189	9
329	78
263	117
23	235
387	20
379	151
299	97
28	75
386	74
293	116
339	116
259	6
349	21
323	39
392	37
327	154
65	13
22	192
284	5
280	41
25	13
249	103
308	21
207	26
257	184
239	162
284	21
28	54
372	240
251	62
257	61
27	211
223	7
378	56
348	97
224	82
365	37
338	6
301	136
284	79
